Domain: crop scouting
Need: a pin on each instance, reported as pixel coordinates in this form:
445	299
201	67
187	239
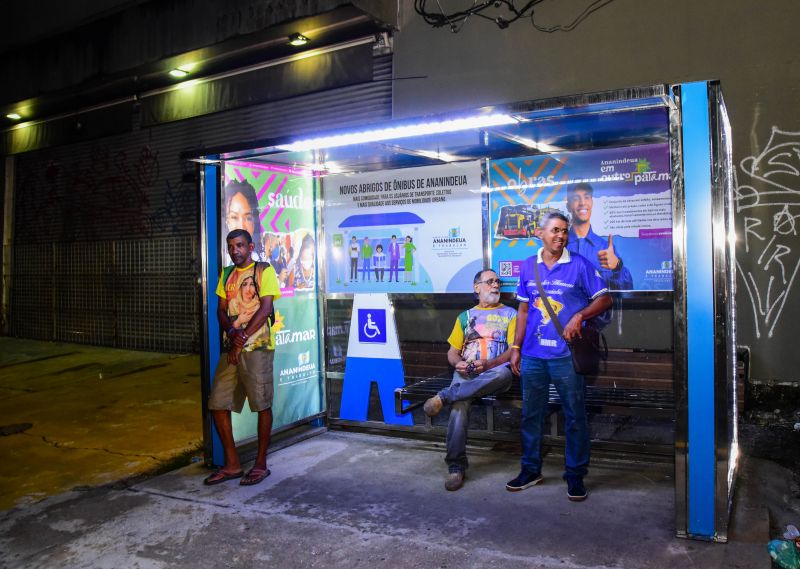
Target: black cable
594	6
456	20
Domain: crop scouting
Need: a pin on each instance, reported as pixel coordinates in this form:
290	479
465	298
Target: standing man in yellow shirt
245	370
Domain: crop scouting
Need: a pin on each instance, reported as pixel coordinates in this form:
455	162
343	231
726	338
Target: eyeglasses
490	282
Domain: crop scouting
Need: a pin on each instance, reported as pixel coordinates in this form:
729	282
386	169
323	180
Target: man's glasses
490	282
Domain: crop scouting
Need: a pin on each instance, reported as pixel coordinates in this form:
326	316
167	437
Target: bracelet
513	347
244	334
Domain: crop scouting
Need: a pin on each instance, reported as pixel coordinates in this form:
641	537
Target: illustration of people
355	251
601	251
379	262
408	260
302	275
394	259
366	256
241	212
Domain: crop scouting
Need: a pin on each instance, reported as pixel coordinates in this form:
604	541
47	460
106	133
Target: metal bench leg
554	418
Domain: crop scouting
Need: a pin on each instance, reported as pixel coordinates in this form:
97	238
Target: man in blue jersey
576	293
601	251
479	353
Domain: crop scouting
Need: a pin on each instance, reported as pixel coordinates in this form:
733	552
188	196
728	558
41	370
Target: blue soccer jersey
572	284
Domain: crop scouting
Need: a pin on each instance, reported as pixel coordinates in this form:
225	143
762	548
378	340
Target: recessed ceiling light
179	73
14	116
298	39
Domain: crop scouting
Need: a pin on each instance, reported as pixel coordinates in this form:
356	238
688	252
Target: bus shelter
376	232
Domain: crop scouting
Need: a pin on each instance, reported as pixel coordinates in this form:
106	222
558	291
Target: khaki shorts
252	378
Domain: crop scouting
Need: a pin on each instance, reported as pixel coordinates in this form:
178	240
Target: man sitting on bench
480	353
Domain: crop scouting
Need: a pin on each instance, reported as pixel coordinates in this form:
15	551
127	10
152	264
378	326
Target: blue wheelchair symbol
371	326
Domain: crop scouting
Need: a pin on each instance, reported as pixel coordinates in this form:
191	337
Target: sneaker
433	406
576	491
524	480
454	481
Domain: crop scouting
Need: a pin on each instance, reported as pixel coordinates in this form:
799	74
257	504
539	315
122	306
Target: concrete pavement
356	500
75	415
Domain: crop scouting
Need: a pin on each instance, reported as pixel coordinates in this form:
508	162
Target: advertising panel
276	205
618	201
404	231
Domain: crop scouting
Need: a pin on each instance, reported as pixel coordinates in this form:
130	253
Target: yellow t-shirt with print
484	333
244	300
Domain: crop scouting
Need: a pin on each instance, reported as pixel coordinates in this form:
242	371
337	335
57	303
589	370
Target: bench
632	383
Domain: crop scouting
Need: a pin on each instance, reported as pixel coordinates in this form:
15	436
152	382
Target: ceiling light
405	131
179	73
14	116
298	39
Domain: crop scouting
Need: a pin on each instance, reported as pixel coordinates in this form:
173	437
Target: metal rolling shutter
105	245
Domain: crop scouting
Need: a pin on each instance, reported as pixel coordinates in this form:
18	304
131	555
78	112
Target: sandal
254	476
221	476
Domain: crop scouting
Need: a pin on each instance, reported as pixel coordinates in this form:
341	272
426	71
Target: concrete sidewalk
354	500
75	415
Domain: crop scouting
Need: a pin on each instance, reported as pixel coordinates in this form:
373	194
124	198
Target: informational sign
373	355
371	326
618	201
275	204
410	230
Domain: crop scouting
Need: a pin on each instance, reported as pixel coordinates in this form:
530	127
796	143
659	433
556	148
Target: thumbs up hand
608	259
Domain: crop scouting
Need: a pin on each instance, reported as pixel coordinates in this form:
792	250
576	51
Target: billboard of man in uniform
601	251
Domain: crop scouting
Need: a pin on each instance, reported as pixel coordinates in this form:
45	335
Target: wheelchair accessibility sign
371	326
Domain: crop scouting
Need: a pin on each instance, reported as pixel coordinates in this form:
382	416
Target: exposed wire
596	5
456	20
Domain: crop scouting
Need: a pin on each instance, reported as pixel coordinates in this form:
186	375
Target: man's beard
490	297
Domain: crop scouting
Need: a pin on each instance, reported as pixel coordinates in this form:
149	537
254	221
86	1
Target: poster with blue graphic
618	201
404	231
275	204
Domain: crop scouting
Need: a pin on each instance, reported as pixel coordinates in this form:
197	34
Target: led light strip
406	131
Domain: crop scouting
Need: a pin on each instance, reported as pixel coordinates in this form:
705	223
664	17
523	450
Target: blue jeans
459	395
536	376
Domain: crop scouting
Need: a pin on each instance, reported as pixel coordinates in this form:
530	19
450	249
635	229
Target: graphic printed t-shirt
571	285
483	333
243	302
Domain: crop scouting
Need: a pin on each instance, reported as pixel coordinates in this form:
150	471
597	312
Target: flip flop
254	476
220	476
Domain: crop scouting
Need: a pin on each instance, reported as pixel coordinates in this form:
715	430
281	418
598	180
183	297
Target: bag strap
263	266
226	273
546	300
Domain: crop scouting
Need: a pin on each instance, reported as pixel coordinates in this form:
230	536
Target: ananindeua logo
451	241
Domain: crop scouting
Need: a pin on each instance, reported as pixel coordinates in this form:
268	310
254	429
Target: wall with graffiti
615	48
